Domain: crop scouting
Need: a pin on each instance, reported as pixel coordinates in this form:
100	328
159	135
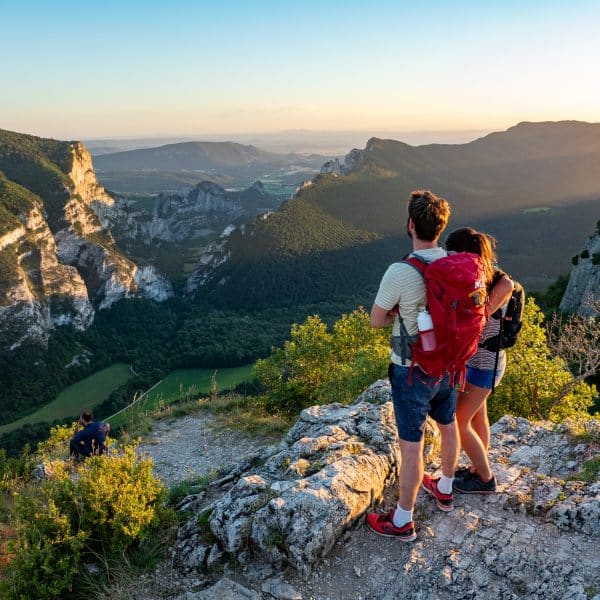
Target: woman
484	370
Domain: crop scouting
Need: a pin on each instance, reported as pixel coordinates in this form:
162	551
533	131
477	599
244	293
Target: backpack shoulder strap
416	262
498	275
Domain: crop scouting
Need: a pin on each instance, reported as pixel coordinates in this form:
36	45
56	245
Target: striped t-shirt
484	359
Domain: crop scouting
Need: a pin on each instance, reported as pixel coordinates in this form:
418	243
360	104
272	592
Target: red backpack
457	301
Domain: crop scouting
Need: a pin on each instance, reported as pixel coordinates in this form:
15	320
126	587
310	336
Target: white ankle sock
445	484
401	517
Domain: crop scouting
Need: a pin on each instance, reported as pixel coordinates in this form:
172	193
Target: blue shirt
91	439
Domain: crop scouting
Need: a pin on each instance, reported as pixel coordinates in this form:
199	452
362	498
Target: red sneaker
384	525
444	501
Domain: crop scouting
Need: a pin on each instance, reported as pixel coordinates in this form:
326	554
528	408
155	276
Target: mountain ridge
196	156
513	184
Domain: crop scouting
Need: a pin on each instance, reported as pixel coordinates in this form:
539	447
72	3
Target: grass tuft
193	485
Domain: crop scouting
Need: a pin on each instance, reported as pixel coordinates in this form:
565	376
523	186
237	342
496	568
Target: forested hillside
535	187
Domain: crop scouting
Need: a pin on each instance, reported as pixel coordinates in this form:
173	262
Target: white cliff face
55	277
40	292
11	237
86	243
583	291
84	179
193	214
353	160
152	284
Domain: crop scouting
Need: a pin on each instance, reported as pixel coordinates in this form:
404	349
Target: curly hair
429	213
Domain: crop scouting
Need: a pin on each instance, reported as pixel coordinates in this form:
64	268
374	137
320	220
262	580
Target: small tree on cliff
538	383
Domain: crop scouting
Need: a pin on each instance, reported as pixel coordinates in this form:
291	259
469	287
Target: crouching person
91	438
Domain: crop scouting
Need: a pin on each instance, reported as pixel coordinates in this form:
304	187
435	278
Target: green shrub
575	260
590	471
317	366
596	258
47	550
535	378
585	254
91	511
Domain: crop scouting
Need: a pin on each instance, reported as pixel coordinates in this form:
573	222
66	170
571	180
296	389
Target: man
91	439
401	293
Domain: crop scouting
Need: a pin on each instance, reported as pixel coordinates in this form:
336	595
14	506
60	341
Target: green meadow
87	393
183	384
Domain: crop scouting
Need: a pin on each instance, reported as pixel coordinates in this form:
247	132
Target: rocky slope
583	290
58	262
183	216
288	521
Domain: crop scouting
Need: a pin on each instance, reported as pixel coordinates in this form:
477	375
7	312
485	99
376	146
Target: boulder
333	464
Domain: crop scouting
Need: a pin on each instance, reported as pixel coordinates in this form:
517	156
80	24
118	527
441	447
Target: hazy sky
123	68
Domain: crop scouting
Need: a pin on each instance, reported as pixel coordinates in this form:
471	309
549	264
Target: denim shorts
423	396
483	378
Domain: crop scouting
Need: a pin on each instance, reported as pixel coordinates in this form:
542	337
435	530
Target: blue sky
77	69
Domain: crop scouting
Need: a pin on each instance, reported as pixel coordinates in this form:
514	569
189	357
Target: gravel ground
193	445
483	549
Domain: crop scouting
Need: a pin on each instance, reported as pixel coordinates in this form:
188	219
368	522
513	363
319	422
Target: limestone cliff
583	290
352	161
185	215
57	262
39	292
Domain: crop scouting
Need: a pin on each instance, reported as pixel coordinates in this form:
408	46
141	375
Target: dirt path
194	445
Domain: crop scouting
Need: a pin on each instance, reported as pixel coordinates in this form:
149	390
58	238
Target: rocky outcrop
296	503
83	176
583	290
353	161
215	254
333	464
41	292
187	215
193	214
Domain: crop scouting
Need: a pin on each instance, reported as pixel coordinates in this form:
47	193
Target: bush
596	258
47	553
575	260
535	379
585	254
84	512
317	366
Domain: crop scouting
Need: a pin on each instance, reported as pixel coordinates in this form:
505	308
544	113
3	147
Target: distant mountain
187	163
57	263
190	156
535	187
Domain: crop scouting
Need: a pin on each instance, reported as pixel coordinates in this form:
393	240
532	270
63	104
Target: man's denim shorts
483	377
424	396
